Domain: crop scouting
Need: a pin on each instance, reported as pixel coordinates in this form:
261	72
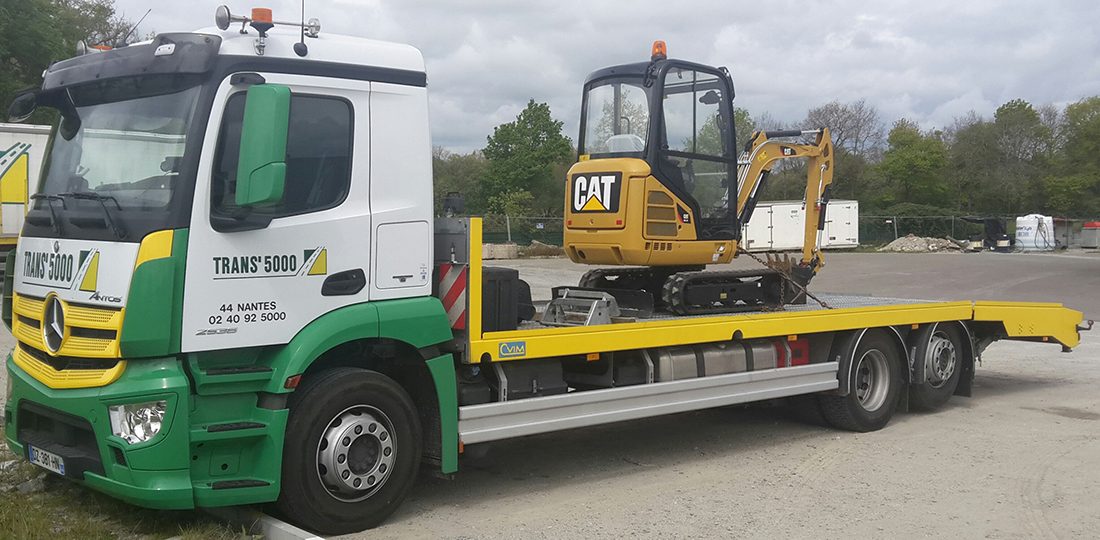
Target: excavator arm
761	154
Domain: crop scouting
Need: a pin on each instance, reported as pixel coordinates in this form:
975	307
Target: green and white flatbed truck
246	299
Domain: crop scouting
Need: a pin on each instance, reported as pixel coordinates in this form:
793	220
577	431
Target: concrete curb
256	522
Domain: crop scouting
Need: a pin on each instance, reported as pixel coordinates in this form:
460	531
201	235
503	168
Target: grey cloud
929	61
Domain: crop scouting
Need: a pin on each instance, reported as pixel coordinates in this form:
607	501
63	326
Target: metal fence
522	230
873	230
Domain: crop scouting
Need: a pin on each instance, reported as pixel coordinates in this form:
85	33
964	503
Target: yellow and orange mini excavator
652	188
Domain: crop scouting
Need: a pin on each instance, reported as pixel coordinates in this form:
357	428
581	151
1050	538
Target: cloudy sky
929	60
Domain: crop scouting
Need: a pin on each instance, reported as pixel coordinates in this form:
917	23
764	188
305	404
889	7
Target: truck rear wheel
875	382
352	451
942	357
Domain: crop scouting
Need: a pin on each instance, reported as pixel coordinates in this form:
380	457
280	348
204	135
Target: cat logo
596	192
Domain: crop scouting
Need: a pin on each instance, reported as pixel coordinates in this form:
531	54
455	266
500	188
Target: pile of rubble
922	244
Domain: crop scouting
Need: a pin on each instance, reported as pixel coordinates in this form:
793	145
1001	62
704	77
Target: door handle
344	283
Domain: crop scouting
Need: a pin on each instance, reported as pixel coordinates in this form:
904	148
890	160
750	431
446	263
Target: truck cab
174	248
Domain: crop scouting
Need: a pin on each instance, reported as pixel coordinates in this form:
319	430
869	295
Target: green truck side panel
176	469
359	321
156	474
442	369
252	453
419	322
154	309
179	467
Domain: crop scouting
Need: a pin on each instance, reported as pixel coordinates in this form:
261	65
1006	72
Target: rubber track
673	293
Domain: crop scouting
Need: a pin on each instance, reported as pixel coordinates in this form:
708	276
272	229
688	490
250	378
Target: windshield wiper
115	224
55	222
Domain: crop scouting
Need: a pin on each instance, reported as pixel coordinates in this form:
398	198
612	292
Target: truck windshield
128	145
616	120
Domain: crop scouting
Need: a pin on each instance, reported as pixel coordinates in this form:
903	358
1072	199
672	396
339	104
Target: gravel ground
1021	459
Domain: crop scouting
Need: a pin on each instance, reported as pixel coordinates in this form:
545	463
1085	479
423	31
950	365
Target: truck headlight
137	422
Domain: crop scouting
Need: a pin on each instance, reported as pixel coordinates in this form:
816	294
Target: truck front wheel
352	451
874	383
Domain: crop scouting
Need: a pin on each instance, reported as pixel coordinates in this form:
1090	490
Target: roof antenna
300	48
134	27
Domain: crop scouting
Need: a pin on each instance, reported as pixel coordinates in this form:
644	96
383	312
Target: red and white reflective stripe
452	291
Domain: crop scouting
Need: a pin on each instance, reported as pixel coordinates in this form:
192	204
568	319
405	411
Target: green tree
523	156
36	33
974	160
1082	133
1021	139
1075	189
913	165
461	173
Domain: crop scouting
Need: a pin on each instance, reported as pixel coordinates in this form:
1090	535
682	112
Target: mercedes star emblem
53	324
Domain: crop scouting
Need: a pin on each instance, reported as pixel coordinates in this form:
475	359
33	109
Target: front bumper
191	462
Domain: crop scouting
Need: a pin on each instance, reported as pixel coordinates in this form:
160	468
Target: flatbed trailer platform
835	333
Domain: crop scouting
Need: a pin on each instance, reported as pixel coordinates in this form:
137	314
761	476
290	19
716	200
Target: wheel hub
872	380
941	360
356	453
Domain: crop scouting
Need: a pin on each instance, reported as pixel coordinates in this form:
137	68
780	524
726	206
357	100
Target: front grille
67	371
92	331
68	436
61	363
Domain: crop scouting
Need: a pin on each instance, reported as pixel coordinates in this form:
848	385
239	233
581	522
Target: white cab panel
90	272
401	256
401	190
262	287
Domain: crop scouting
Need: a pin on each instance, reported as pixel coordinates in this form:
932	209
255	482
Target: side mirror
23	106
261	171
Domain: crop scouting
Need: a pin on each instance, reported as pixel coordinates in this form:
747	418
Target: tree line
1024	159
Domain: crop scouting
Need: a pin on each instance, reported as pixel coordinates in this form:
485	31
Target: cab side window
318	156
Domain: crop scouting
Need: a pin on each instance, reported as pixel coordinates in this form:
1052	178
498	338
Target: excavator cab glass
695	156
677	116
616	118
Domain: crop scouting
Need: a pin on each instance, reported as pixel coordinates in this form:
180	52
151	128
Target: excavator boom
761	154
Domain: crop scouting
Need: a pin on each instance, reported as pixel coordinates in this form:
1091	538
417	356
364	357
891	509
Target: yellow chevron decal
91	277
320	264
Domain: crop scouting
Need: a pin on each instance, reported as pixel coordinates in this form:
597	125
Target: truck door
260	287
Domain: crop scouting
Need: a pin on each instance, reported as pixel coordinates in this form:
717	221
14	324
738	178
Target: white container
842	225
780	225
1035	232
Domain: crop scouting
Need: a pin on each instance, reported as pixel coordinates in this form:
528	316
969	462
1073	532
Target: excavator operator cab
657	165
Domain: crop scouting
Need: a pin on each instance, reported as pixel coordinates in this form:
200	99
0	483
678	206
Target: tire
806	409
943	368
370	415
875	385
